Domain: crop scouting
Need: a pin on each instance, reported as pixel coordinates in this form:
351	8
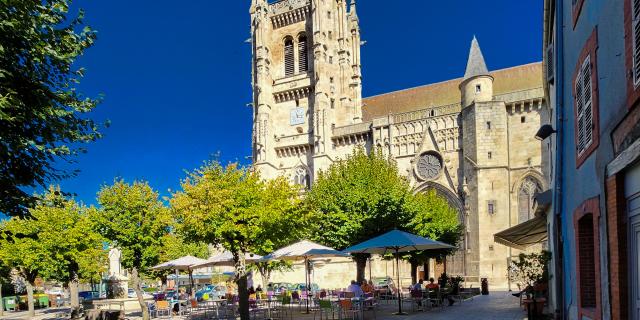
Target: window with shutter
303	64
585	90
289	68
635	25
584	109
549	63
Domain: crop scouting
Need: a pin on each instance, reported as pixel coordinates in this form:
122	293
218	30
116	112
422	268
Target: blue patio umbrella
397	241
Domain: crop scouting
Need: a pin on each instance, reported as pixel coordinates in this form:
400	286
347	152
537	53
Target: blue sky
176	74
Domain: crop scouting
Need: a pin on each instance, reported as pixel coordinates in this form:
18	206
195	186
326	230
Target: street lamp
544	132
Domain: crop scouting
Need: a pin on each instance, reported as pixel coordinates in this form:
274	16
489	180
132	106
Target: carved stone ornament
429	166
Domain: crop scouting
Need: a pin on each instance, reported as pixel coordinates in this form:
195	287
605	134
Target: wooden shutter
302	54
549	63
635	24
289	68
584	106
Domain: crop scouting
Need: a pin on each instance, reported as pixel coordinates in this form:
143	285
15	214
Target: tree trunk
1	302
414	271
30	303
444	261
74	297
361	265
265	273
135	277
241	281
426	270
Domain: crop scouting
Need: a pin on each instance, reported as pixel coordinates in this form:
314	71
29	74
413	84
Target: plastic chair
326	307
163	307
417	300
435	298
347	309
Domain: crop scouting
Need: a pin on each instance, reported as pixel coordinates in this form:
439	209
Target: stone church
471	138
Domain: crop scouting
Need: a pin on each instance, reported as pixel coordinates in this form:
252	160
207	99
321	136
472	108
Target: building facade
471	139
592	54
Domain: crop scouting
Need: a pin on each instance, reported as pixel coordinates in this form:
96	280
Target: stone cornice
286	12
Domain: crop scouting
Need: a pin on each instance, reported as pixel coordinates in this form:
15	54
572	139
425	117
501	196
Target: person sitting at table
183	295
432	284
419	286
259	289
366	287
252	290
355	288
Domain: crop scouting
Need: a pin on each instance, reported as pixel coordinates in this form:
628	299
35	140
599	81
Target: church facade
471	139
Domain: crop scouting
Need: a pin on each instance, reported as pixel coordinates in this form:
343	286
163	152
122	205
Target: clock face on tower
429	165
297	116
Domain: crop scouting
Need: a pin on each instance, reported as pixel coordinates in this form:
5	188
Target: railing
352	129
426	113
283	6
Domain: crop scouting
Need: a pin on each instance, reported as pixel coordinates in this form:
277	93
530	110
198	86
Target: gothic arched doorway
455	264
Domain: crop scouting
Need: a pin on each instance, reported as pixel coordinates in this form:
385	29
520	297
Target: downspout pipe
559	167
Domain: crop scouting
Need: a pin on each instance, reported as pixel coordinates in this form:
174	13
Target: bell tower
306	81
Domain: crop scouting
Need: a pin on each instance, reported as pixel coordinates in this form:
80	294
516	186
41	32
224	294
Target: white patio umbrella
181	264
397	241
225	259
304	250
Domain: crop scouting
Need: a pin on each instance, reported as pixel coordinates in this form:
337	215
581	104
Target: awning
542	202
524	235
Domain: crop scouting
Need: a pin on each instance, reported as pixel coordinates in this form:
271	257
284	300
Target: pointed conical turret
352	10
475	65
477	85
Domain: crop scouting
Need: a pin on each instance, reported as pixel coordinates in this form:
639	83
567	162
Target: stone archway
455	264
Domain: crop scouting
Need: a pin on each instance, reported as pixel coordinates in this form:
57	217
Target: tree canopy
59	243
43	117
132	218
232	207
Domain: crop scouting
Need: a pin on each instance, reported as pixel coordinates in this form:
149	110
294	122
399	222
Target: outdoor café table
177	305
270	303
214	304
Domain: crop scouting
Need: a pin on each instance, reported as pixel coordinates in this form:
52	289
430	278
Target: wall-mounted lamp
544	132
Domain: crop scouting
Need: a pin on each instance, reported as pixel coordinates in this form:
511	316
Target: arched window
301	177
303	64
527	192
289	68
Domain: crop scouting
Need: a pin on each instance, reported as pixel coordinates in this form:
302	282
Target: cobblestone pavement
497	306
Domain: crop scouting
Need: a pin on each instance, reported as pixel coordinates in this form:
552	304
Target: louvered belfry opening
289	59
584	106
303	63
635	14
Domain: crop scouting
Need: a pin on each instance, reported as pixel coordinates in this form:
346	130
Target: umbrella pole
400	313
191	293
306	280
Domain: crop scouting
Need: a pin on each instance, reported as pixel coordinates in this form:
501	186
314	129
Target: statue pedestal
117	287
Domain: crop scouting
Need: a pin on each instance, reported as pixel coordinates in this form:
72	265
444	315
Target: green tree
43	117
5	279
174	246
434	218
132	218
59	243
364	196
67	230
233	208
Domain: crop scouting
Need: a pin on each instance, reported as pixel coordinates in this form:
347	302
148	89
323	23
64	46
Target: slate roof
518	78
475	65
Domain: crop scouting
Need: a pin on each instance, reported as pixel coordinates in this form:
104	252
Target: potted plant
530	271
455	284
